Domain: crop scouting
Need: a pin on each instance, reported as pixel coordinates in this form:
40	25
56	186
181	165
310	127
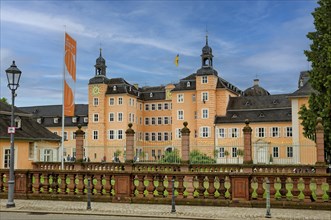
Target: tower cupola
207	55
100	65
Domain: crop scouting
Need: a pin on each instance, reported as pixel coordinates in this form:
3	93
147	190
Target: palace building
214	108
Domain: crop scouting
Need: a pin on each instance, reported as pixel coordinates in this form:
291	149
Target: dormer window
151	94
85	119
114	88
275	102
74	119
247	103
130	89
39	120
18	122
234	116
261	115
188	84
56	120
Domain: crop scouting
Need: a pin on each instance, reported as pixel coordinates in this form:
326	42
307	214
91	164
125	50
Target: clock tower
97	89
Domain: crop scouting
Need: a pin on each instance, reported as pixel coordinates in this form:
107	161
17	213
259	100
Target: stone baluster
107	185
150	187
80	184
36	184
180	188
63	184
71	184
98	184
46	183
189	188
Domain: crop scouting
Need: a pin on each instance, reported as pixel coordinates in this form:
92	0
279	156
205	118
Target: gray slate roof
48	112
30	129
271	108
303	91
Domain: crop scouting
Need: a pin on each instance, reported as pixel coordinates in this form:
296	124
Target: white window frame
147	121
146	136
120	116
95	101
275	152
180	98
111	117
74	119
205	113
146	107
288	132
234	152
260	132
159	106
289	151
96	117
222	132
120	134
120	100
178	133
221	152
153	121
165	106
204	96
204	79
166	120
204	132
95	135
153	106
180	114
159	120
111	101
111	134
274	132
233	132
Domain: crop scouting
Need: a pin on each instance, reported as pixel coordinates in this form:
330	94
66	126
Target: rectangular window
95	101
153	136
159	136
146	107
260	132
166	120
153	153
120	100
146	136
153	121
204	79
120	116
274	132
165	106
95	135
288	131
48	155
233	132
166	136
120	134
6	158
275	152
95	117
146	121
180	98
195	115
111	117
111	134
159	120
204	132
178	133
65	135
290	151
73	135
205	113
204	96
111	101
193	98
222	152
153	107
159	106
180	115
221	132
234	152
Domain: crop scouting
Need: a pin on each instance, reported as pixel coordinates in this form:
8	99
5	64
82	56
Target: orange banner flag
70	68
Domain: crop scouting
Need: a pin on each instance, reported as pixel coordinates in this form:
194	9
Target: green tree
171	157
4	100
320	76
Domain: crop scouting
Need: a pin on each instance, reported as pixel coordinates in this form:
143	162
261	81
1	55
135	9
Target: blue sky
140	40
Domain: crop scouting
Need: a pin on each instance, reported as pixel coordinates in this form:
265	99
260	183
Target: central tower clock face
95	90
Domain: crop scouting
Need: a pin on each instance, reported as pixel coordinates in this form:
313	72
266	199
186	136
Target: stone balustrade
200	185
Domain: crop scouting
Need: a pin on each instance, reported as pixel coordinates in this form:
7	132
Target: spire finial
206	35
100	52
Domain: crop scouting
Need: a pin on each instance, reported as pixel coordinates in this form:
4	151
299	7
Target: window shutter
41	155
230	132
225	133
257	132
54	155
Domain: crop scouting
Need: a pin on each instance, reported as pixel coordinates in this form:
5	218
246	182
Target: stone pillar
247	143
185	143
79	143
129	143
320	142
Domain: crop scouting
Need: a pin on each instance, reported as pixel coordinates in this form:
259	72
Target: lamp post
13	76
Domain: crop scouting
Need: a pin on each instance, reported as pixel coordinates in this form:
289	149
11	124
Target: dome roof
207	50
100	59
256	90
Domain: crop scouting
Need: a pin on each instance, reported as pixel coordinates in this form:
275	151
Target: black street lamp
13	76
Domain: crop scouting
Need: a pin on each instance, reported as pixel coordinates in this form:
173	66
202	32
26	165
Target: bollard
88	194
173	209
268	214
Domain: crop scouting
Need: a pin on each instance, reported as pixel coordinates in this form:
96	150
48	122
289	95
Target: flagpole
63	117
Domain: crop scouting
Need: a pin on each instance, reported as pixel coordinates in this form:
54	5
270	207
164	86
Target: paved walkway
144	210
